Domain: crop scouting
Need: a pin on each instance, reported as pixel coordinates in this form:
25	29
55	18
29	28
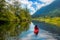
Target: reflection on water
42	35
25	31
11	30
52	30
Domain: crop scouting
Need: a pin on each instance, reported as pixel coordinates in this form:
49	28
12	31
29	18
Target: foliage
11	16
53	17
12	29
54	13
13	12
24	15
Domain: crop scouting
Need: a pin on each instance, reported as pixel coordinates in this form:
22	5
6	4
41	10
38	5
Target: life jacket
36	30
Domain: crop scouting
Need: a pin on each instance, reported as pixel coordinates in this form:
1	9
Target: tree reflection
12	29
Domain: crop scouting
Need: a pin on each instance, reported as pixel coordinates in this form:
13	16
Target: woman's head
36	26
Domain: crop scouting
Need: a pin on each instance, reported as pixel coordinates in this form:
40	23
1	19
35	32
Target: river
46	32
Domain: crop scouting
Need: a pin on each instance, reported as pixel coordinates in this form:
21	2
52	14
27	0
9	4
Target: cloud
24	1
38	4
29	5
47	2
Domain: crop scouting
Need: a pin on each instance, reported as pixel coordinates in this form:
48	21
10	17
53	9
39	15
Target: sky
33	5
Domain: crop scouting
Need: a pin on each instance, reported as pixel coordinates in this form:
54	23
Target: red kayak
36	30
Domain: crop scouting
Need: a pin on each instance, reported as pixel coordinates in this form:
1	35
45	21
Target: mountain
45	10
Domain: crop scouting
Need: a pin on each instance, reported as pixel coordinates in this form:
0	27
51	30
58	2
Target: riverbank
54	20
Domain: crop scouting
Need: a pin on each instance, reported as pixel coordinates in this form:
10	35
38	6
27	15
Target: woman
36	30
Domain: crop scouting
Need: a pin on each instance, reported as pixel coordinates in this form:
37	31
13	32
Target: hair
36	26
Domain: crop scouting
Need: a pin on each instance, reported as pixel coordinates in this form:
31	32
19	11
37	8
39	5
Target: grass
54	20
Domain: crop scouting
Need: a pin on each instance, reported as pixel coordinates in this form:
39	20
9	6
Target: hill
48	9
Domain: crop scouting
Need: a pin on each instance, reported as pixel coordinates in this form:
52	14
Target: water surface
25	31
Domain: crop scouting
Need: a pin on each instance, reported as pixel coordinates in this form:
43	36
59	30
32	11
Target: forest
11	18
52	17
10	12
